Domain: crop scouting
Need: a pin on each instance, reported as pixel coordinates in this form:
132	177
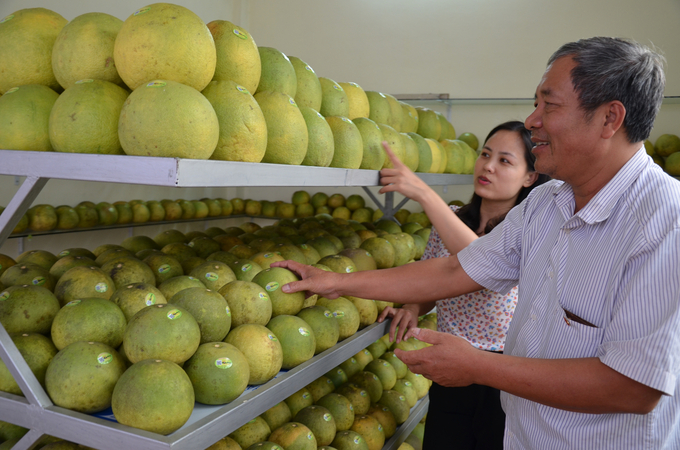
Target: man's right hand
314	281
405	318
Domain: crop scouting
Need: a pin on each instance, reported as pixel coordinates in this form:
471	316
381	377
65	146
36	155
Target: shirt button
533	317
551	274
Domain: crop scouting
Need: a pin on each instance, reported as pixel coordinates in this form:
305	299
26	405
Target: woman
469	417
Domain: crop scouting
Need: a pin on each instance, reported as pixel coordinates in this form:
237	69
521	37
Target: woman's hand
405	318
401	179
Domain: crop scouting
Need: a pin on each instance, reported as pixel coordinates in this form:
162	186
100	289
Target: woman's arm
453	232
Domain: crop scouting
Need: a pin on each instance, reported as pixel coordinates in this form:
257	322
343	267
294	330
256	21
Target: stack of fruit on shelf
205	312
163	83
666	152
44	218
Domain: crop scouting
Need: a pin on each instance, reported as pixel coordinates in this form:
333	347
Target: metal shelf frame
207	424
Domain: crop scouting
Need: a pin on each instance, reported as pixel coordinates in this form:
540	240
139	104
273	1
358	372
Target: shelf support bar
21	201
28	440
388	209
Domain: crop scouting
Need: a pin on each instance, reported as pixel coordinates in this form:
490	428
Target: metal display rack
207	424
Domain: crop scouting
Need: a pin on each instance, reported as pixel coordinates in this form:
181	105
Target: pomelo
349	440
394	119
409	118
346	314
348	153
128	271
471	140
371	430
411	153
383	415
68	262
165	41
429	125
358	101
406	388
277	415
294	435
672	165
368	310
272	280
134	297
261	348
425	157
26	56
362	358
140	401
369	382
324	325
163	266
382	251
296	337
395	142
167	118
447	130
84	282
37	350
373	156
396	402
287	137
379	107
320	422
88	319
334	99
245	269
219	373
213	274
24	117
340	408
237	57
249	434
321	146
308	93
210	310
320	387
438	156
278	73
243	131
84	50
666	144
248	302
455	157
384	371
299	400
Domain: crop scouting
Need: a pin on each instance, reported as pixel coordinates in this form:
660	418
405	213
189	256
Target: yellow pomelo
373	155
666	144
277	415
348	145
84	118
24	118
396	402
237	57
429	125
447	130
395	117
243	130
362	358
253	432
308	85
139	400
371	430
439	155
167	118
278	73
346	314
471	140
649	147
84	49
470	156
261	348
334	100
320	387
287	137
320	146
409	118
411	153
419	382
407	390
368	310
379	111
425	157
455	156
672	165
27	38
395	141
294	435
358	101
383	415
165	41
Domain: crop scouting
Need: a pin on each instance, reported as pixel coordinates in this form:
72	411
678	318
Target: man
593	352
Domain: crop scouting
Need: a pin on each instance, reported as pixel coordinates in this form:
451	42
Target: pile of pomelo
666	153
203	311
163	83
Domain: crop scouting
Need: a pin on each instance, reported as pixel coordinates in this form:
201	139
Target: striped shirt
616	264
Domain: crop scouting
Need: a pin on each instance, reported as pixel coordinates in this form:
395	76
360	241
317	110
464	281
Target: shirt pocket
570	339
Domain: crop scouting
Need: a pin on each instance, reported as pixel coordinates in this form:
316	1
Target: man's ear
615	112
531	179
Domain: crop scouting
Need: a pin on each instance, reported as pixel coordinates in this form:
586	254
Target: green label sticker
157	83
242	89
72	303
305	395
303	331
263	296
345	119
104	358
272	337
38	281
141	11
228	310
174	314
352	83
211	276
240	34
385	408
402	398
352	360
4	296
357	440
307	67
223	363
337	87
380	427
366	352
87	80
303	246
363	393
310	436
7	18
327	417
267	255
64	253
385	363
246	267
408	383
253	421
339	371
338	314
349	269
327	313
163	268
191	244
382	95
192	278
150	299
271	286
101	287
292	102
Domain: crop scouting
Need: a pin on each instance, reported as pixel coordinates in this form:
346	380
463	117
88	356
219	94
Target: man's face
563	139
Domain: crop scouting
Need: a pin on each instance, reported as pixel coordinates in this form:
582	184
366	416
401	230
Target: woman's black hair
469	213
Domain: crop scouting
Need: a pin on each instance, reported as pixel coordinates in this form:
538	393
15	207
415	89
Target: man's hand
314	281
406	318
449	361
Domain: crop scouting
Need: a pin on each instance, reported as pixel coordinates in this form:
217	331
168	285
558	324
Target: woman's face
501	169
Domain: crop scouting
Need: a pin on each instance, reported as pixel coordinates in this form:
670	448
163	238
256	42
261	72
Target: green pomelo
385	372
245	269
324	325
213	274
125	272
395	142
68	218
420	383
168	237
411	154
82	376
349	440
357	396
368	311
140	401
371	430
24	118
429	125
261	348
204	246
321	146
219	373
89	319
84	118
66	263
163	267
320	421
351	366
248	302
399	367
383	415
243	251
28	274
337	376
265	259
346	314
265	445
319	199
156	211
455	157
373	156
134	297
667	144
396	402
84	282
381	250
7	262
299	400
304	210
370	383
167	118
379	107
136	244
395	118
402	248
324	246
358	101
37	351
161	331
377	348
287	137
308	93
210	310
237	59
278	73
334	101
348	144
672	165
320	387
277	415
174	285
340	408
290	252
11	432
41	258
294	436
447	130
251	433
113	253
297	339
471	140
409	118
243	131
363	357
27	309
272	280
42	218
338	263
406	388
